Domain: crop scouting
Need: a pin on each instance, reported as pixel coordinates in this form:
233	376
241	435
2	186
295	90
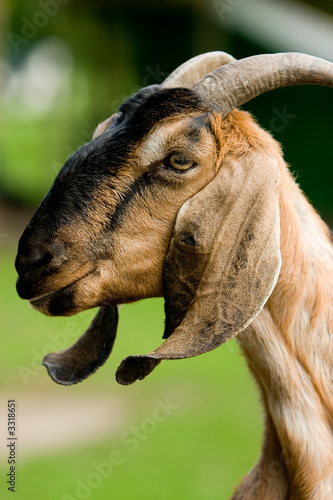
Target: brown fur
288	346
289	351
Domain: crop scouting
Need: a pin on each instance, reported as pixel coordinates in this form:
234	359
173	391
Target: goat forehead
99	168
183	134
102	155
148	109
97	163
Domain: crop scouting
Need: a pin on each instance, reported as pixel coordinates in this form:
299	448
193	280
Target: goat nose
38	257
34	252
27	261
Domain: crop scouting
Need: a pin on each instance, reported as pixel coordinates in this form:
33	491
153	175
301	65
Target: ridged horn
230	86
194	69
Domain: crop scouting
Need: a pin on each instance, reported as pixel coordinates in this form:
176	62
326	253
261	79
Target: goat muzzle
44	269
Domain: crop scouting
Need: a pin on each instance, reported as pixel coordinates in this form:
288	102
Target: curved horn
192	70
231	86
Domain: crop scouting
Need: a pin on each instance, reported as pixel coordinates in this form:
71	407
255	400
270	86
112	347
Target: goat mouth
60	301
43	283
44	297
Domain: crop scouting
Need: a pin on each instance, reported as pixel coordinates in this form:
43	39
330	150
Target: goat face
172	198
101	234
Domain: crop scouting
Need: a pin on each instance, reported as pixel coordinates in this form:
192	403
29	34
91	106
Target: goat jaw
74	364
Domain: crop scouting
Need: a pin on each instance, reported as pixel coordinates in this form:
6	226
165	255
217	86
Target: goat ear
103	126
223	262
74	364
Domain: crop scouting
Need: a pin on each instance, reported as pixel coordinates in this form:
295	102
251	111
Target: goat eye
179	162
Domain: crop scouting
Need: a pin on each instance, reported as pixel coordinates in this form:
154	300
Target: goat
180	194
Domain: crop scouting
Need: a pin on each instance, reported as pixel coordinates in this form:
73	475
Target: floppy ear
74	364
103	126
223	262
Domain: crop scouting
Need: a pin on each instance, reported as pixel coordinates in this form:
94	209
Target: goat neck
288	348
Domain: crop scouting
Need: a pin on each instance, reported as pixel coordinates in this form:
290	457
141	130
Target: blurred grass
200	451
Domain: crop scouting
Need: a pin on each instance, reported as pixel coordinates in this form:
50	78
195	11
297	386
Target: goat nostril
37	249
42	261
25	264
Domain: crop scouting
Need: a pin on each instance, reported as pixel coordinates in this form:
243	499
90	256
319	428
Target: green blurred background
193	428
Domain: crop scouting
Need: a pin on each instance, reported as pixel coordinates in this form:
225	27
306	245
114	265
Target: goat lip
45	295
41	297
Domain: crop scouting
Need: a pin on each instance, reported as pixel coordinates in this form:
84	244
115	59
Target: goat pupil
180	162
